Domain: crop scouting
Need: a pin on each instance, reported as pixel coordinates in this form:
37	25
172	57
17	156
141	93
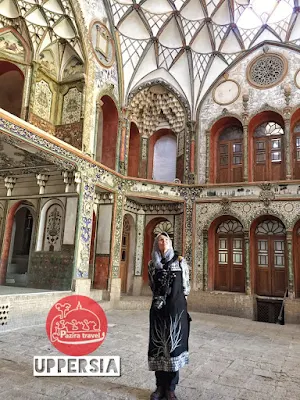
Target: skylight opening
258	13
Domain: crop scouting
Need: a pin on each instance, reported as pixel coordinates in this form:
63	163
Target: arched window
230	155
164	159
11	88
230	271
269	152
271	271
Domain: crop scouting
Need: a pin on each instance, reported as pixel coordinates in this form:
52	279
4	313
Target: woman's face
163	244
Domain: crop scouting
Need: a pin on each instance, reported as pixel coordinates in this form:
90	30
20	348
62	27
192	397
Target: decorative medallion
226	92
247	208
102	43
297	79
267	70
289	207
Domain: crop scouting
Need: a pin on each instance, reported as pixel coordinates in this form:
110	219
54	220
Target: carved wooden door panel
230	271
271	271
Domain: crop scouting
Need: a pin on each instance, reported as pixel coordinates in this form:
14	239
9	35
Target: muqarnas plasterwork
42	100
72	106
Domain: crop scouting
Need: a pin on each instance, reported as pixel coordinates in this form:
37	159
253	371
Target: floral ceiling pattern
190	43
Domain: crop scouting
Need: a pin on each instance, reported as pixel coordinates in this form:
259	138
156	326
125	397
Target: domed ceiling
189	43
46	25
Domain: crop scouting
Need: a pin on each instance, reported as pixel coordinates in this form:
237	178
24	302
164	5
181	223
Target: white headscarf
156	254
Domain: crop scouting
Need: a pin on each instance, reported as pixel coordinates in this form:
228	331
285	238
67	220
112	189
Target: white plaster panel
104	228
70	220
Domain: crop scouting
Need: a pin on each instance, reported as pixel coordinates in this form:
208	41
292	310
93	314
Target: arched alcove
107	133
226	151
11	88
162	156
266	147
268	256
134	151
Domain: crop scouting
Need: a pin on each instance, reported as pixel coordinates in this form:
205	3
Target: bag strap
166	265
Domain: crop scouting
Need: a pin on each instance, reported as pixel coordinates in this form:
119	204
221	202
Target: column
26	93
291	283
287	144
192	151
245	151
115	282
81	275
123	138
144	157
205	260
188	240
187	150
89	109
247	263
31	94
140	233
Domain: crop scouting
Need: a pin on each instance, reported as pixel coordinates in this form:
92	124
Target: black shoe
170	395
158	394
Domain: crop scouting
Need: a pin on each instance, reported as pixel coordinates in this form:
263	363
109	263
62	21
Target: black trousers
168	380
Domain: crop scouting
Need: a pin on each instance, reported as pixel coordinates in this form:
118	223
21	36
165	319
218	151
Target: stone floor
230	359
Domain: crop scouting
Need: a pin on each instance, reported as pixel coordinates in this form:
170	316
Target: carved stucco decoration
267	194
154	105
267	70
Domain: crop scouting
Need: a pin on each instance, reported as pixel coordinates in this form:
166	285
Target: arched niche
226	259
268	256
107	136
11	88
226	151
127	253
134	151
52	215
16	249
266	147
162	156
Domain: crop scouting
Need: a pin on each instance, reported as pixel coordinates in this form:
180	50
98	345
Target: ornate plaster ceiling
190	43
17	158
46	25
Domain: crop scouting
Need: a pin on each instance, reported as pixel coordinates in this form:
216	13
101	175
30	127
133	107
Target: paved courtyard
230	359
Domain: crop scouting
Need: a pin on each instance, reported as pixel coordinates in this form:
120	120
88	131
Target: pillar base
137	285
115	290
82	286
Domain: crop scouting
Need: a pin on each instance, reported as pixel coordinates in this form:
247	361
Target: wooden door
125	246
230	157
230	272
269	153
271	271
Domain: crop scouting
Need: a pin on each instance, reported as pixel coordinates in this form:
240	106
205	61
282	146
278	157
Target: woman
169	320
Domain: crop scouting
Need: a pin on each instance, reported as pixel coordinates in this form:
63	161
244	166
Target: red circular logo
76	325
